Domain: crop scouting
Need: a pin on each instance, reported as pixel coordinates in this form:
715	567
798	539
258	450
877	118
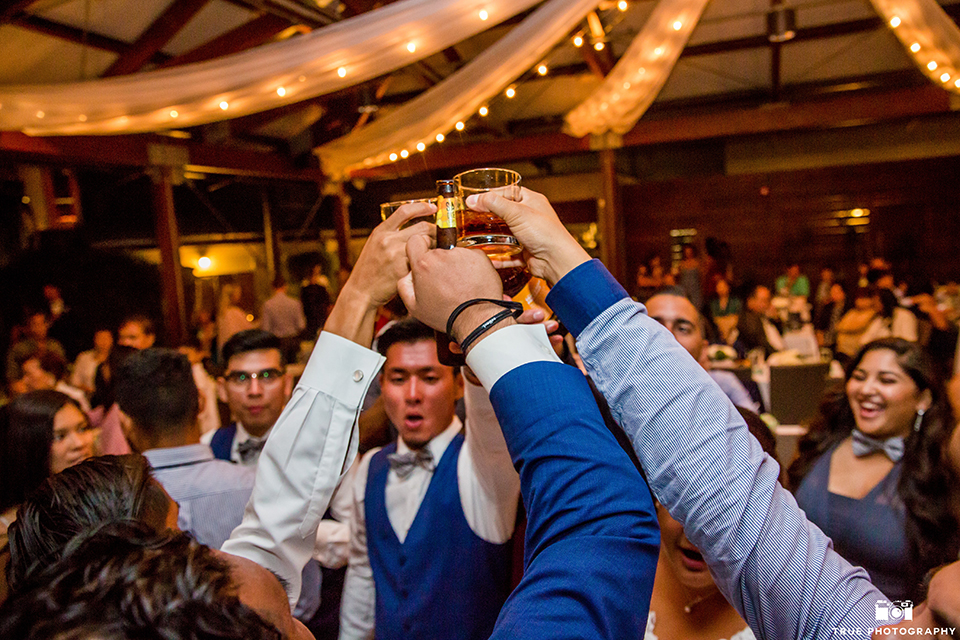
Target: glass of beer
389	208
486	231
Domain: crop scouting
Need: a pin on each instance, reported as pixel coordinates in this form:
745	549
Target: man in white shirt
426	504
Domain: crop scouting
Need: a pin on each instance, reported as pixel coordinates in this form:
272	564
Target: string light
404	153
598	46
932	65
511	92
578	42
626	85
483	14
459	126
411	47
440	137
83	117
483	111
342	72
677	25
957	83
393	157
622	5
281	91
658	51
174	113
542	69
894	22
302	78
224	105
40	114
915	47
945	77
421	147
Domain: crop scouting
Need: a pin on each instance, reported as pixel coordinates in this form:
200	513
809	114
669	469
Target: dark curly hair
128	583
928	484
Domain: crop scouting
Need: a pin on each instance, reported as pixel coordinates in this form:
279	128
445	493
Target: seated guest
828	316
85	366
677	314
686	603
44	433
863	319
725	309
431	498
792	283
48	371
36	341
148	585
159	404
871	472
776	568
756	330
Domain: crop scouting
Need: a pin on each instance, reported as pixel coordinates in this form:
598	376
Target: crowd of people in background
110	441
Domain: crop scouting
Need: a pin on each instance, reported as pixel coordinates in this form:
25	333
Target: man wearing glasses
256	388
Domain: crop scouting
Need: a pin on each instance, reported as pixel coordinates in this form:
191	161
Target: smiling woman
873	472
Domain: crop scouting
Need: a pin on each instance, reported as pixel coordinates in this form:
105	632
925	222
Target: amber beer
487	231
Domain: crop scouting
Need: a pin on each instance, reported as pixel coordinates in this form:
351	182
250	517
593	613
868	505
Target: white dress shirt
489	492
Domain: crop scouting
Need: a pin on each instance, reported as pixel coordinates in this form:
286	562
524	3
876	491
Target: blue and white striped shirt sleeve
779	570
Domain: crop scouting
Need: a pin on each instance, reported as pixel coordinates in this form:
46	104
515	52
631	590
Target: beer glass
389	208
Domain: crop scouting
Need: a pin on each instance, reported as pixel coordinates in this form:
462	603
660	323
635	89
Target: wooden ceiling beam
156	36
76	36
10	8
248	35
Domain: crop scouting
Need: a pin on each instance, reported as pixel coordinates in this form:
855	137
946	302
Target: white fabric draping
458	96
639	75
928	34
364	47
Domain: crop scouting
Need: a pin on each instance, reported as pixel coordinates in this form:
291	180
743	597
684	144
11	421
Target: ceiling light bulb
459	126
440	137
598	46
511	92
342	72
677	25
957	83
915	47
578	41
484	111
421	146
281	91
40	114
224	105
204	262
622	5
945	77
626	85
932	65
894	22
393	157
302	78
174	113
542	69
411	47
658	51
404	153
483	14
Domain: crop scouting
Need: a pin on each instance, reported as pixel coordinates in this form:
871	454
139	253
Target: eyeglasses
244	378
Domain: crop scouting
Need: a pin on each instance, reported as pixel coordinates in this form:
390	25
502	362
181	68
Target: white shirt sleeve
333	534
358	605
489	485
506	349
310	447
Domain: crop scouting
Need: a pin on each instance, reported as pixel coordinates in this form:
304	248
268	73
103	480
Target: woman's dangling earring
919	420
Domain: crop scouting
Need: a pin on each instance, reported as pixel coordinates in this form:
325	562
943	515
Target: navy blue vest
444	581
222	441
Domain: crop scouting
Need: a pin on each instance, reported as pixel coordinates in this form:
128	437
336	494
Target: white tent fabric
458	96
928	34
364	47
639	75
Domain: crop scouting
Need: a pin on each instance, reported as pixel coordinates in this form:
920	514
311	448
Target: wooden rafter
10	8
156	36
248	35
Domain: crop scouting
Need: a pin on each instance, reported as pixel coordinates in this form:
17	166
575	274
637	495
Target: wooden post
270	239
168	239
610	218
341	224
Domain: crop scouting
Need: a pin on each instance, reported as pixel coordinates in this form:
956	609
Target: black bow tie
404	463
864	445
250	448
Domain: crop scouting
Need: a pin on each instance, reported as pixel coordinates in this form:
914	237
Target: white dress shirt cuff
321	374
506	349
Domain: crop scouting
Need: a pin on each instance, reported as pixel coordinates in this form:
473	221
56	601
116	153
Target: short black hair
250	340
155	387
127	582
145	322
407	330
78	501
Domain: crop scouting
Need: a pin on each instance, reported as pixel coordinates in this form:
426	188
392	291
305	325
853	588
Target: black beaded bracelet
479	331
507	304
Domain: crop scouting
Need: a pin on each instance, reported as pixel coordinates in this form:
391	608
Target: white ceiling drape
363	47
633	84
456	98
928	34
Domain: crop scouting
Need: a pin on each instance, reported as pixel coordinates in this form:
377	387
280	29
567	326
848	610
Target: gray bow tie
250	449
404	463
864	445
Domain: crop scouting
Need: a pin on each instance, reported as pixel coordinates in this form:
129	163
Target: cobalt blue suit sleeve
592	534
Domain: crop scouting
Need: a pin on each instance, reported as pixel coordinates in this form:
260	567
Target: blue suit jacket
592	536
